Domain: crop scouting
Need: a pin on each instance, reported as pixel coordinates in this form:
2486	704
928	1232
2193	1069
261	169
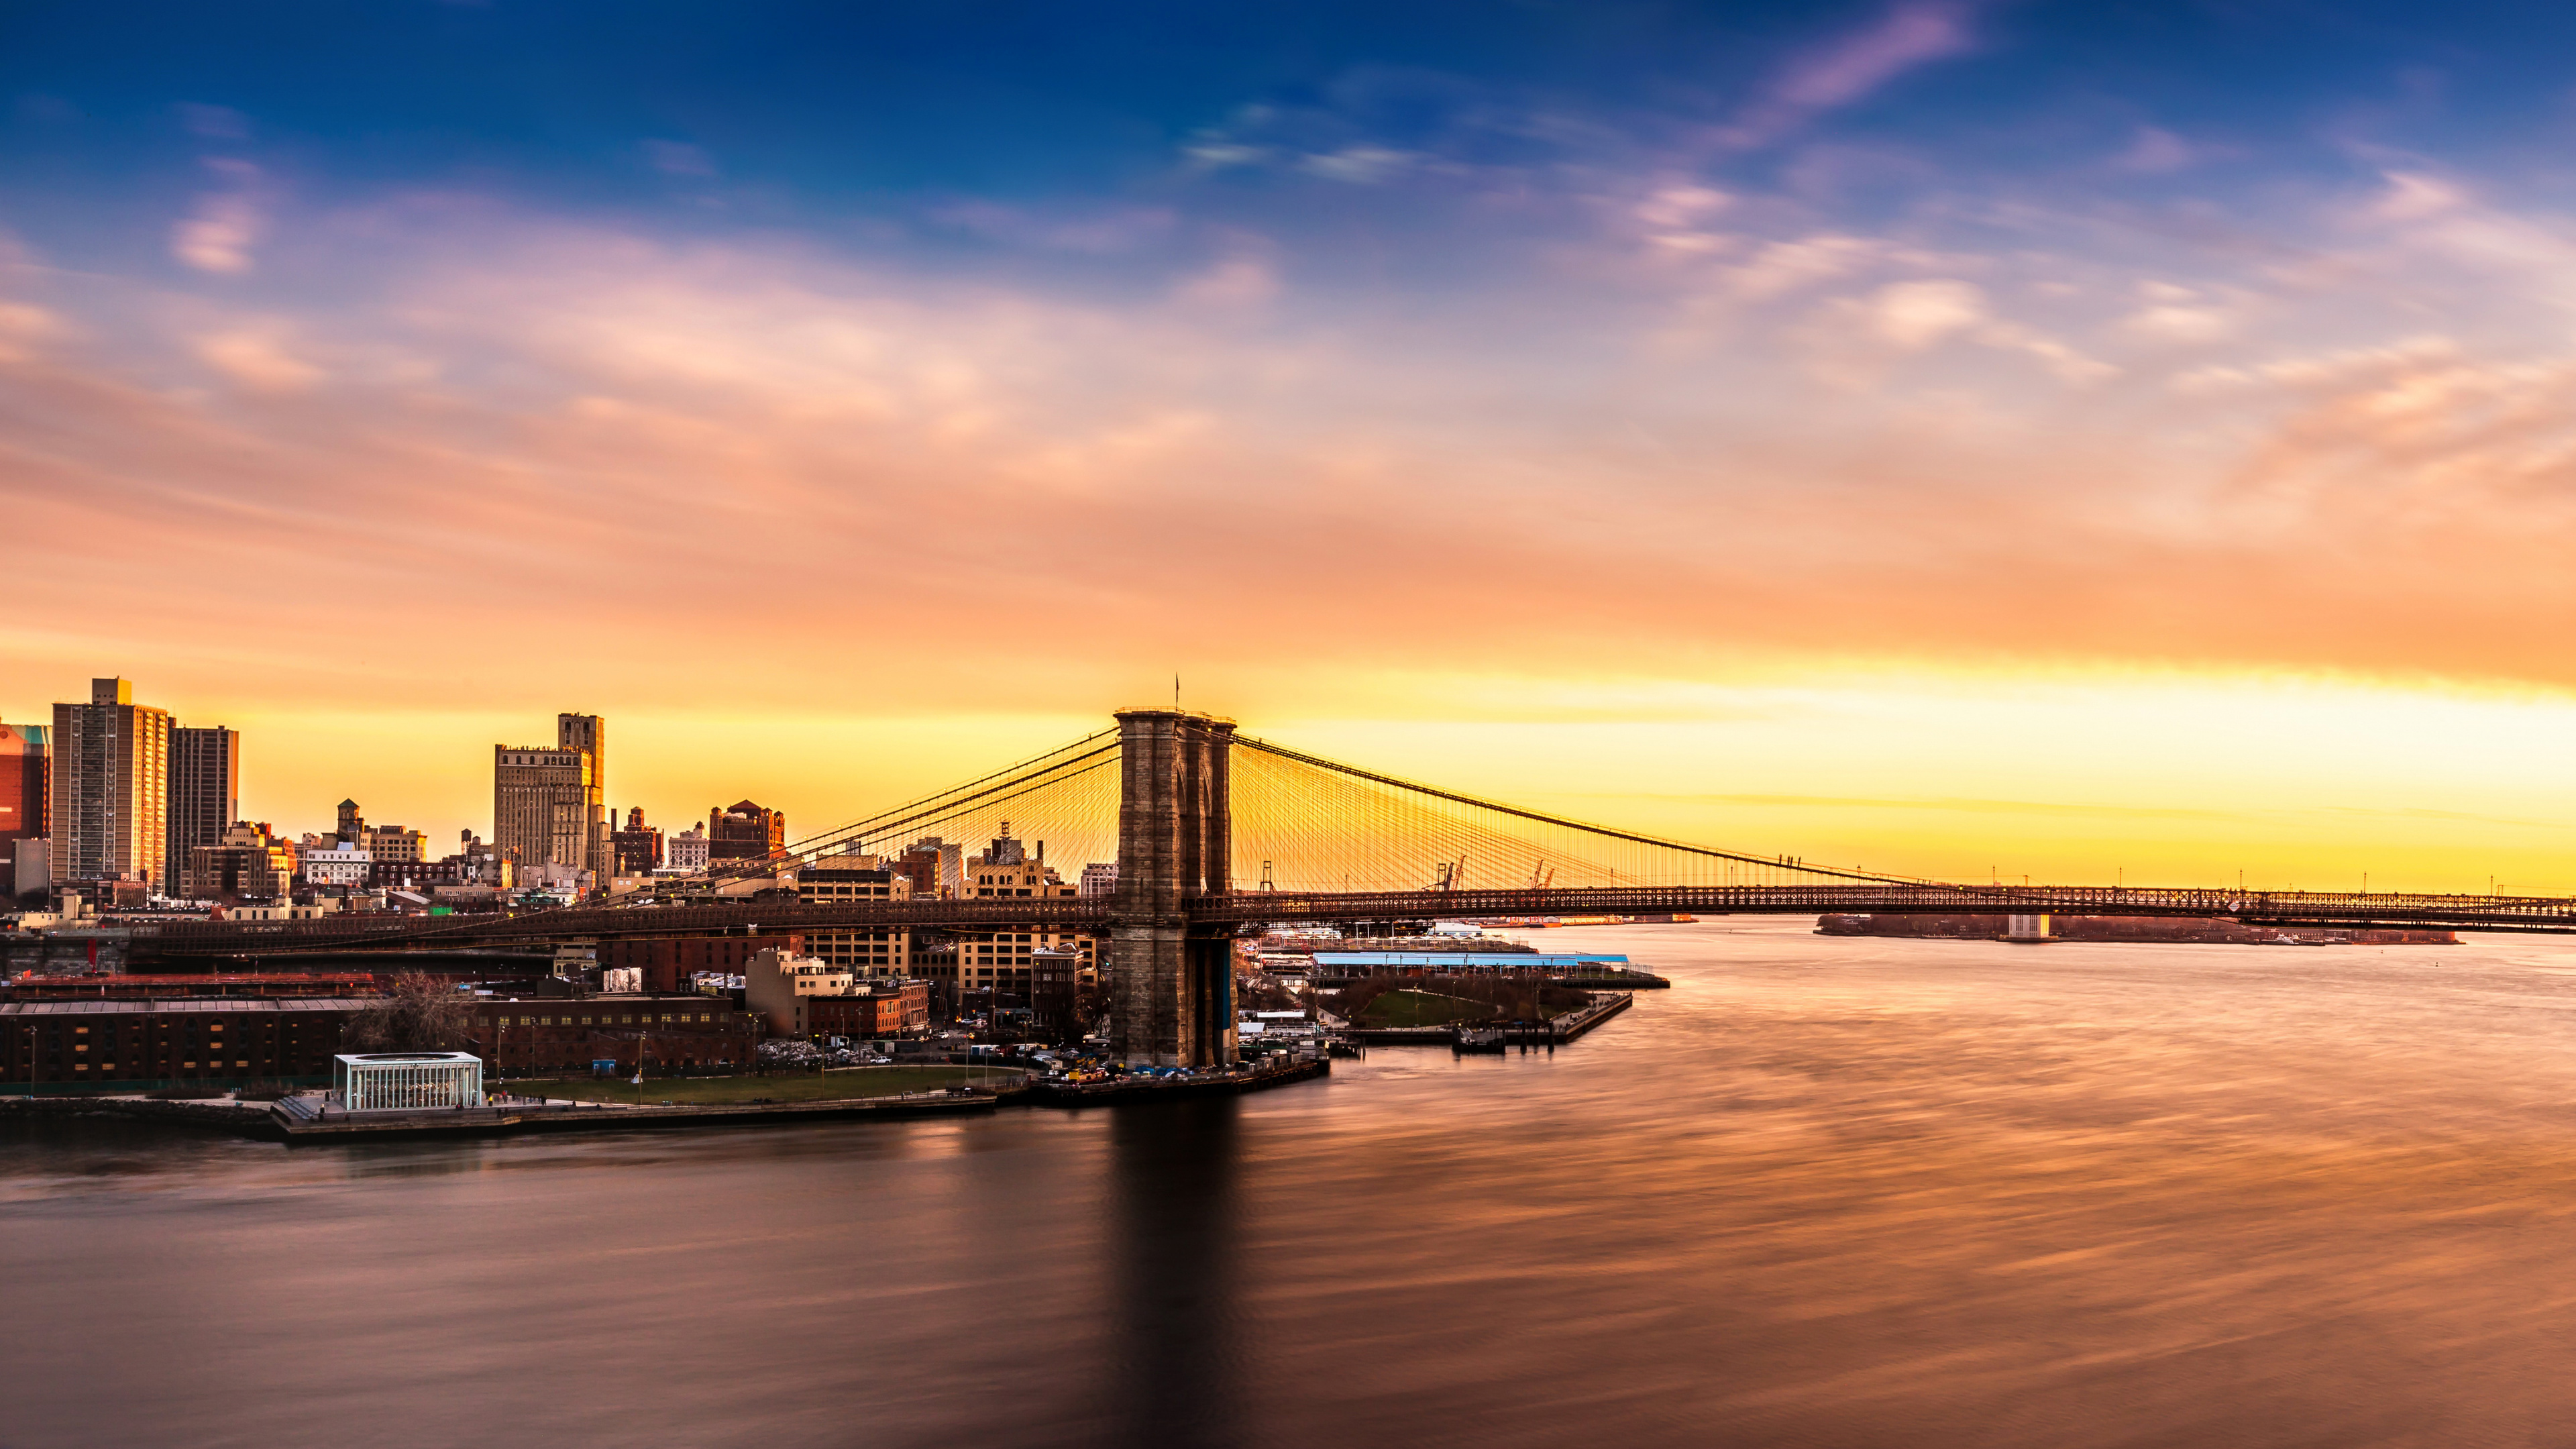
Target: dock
1557	1031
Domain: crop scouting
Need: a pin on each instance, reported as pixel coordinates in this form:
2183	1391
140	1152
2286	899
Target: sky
2072	440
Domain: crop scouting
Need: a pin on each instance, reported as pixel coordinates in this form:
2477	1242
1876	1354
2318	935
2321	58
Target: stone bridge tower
1175	989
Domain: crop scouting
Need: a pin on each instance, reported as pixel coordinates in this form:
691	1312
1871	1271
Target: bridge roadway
1241	910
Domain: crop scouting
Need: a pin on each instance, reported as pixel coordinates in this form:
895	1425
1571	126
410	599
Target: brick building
137	1045
668	962
745	832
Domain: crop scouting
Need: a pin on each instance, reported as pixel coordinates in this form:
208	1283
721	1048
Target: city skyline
1949	437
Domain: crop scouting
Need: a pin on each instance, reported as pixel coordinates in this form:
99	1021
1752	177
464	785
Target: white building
399	1081
686	851
342	865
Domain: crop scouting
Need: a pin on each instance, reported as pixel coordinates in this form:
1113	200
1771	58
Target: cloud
2155	152
218	237
258	358
1850	69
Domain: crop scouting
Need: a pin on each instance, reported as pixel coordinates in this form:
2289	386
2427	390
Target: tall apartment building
205	789
22	804
588	733
110	800
745	832
541	805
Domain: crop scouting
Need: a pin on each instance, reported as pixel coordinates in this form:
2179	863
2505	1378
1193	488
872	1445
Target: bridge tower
1175	988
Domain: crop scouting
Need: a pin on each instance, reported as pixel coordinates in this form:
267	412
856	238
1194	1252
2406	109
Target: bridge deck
1242	909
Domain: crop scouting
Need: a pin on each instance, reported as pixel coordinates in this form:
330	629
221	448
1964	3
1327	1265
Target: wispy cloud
1852	67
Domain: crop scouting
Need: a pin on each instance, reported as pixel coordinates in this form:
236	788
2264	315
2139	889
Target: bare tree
420	1014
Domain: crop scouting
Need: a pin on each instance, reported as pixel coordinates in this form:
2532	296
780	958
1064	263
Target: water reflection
1821	1192
1178	1248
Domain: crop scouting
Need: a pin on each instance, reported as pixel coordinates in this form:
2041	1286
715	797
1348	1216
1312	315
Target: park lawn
778	1087
1422	1008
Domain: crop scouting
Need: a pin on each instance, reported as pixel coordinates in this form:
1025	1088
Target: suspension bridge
1218	834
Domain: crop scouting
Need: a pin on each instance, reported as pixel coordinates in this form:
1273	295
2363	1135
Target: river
1824	1191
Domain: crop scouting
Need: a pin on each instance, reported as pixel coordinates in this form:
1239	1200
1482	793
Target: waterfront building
109	800
244	863
636	849
142	1044
23	824
406	1081
661	1032
686	852
745	832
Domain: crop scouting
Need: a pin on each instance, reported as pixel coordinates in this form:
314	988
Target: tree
421	1013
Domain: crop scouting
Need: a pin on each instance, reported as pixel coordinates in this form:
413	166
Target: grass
784	1087
1422	1008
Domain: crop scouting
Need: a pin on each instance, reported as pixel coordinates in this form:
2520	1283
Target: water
1823	1192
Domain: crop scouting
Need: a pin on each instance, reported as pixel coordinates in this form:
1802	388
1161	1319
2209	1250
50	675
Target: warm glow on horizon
1762	470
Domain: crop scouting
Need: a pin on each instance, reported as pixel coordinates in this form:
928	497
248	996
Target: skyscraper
110	803
205	789
588	733
22	804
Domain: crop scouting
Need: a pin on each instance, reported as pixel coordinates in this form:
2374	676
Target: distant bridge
1191	811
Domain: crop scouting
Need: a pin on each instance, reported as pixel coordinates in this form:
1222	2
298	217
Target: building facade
23	806
687	851
541	803
588	733
110	804
394	845
205	789
636	847
745	832
844	879
245	863
669	962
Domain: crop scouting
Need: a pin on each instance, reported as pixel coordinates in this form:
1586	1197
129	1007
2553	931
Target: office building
1100	878
109	802
686	851
541	802
339	867
745	832
588	733
205	789
637	848
22	806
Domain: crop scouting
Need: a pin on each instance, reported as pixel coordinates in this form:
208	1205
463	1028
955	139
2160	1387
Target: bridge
1217	835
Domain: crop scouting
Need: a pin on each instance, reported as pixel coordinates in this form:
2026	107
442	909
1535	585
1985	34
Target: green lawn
784	1087
1422	1008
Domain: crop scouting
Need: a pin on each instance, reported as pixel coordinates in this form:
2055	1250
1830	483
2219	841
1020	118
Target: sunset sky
2060	439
